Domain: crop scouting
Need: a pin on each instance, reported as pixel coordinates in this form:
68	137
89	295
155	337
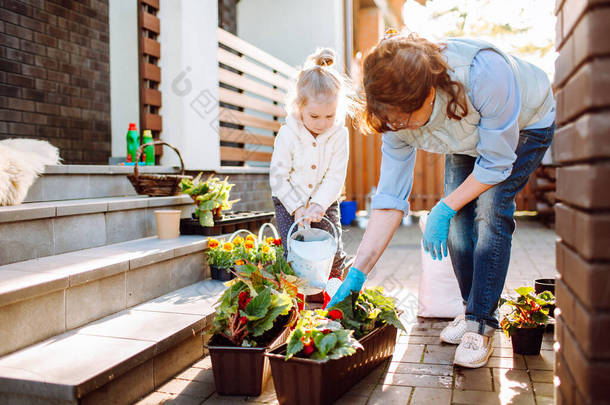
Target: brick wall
582	148
54	75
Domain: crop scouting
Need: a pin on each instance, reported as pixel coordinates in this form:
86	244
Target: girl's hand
315	212
298	214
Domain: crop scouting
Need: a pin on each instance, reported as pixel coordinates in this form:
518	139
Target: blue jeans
480	234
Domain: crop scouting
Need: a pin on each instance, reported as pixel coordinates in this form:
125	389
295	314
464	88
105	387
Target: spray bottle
133	142
149	151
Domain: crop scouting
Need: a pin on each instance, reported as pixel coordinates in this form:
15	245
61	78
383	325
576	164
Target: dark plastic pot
310	382
221	274
527	340
242	370
546	284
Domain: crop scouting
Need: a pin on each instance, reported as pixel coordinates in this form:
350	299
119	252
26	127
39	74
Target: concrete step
70	182
44	297
35	230
117	359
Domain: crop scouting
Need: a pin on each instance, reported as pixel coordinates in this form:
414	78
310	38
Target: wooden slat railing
252	91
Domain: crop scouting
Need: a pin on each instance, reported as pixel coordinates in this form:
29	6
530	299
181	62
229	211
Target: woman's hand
437	230
353	282
315	212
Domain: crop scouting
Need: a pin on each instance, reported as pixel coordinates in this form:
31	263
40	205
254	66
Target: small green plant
220	253
363	312
319	338
210	196
528	310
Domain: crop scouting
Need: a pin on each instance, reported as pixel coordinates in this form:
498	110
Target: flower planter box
242	370
218	273
300	381
228	223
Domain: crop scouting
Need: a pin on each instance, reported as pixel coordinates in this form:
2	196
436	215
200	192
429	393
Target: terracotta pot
168	223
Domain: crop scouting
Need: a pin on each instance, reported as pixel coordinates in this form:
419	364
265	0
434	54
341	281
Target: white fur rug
21	161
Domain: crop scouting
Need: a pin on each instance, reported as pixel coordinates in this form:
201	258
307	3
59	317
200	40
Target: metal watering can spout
311	252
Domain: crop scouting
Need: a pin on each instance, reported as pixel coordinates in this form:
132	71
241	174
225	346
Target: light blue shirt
494	92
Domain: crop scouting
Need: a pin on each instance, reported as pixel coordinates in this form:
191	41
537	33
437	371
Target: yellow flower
238	240
250	238
249	244
228	246
239	262
265	249
213	243
269	240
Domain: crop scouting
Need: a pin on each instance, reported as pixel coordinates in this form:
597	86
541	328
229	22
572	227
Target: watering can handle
261	232
234	234
289	239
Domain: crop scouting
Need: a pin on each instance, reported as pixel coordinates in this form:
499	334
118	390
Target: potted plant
210	196
245	250
322	359
526	321
220	259
254	315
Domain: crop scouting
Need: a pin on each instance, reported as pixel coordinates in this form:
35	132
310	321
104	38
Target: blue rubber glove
353	282
437	230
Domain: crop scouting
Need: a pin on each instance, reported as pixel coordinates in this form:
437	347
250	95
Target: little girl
311	150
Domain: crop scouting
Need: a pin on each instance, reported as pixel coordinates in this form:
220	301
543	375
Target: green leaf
294	343
257	307
327	343
206	218
524	291
281	304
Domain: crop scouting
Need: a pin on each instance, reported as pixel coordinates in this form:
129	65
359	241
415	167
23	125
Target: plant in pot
210	196
244	250
254	315
220	259
323	351
525	322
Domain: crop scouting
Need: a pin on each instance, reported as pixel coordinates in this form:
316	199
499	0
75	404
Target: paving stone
408	352
157	398
187	388
541	400
492	398
390	394
516	362
541	376
216	399
205	363
197	374
420	368
439	354
478	379
421	340
427	396
544	361
513	384
267	396
418	380
543	389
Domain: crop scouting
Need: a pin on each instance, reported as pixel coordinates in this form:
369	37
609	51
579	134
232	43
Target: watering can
311	252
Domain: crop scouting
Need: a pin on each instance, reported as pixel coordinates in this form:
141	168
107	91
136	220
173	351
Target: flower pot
546	284
168	223
527	340
300	381
242	370
348	212
221	274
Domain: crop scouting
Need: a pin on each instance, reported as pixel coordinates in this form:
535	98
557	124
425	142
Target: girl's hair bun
324	57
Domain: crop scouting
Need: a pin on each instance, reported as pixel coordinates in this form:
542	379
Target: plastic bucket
348	212
168	223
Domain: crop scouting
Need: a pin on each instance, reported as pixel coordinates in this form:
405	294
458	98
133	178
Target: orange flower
213	243
269	241
238	240
250	238
228	246
249	244
239	262
265	249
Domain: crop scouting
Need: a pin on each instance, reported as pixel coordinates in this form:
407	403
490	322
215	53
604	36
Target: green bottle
133	142
149	151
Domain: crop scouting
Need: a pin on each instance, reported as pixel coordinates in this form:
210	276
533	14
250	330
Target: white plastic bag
439	293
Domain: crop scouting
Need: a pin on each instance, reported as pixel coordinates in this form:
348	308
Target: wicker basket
157	185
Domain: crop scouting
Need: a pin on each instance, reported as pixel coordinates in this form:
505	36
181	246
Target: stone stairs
93	307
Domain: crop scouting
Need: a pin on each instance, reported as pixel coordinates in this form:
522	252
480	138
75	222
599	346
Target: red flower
243	320
308	350
244	299
335	314
277	242
326	331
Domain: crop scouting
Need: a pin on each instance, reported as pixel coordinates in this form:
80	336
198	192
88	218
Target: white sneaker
454	331
472	351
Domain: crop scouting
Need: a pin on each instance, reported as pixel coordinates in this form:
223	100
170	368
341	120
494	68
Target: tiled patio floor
421	370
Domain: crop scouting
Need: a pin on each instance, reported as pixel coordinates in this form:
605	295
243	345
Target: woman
492	115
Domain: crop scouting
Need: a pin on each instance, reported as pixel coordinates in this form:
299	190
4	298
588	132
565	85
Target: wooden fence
252	90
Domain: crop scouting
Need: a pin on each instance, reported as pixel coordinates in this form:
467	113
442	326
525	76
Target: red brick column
582	148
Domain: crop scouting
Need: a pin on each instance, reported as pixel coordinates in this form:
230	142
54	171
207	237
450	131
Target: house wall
291	30
55	76
583	214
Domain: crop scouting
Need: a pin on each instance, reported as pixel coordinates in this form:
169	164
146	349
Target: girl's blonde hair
319	79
